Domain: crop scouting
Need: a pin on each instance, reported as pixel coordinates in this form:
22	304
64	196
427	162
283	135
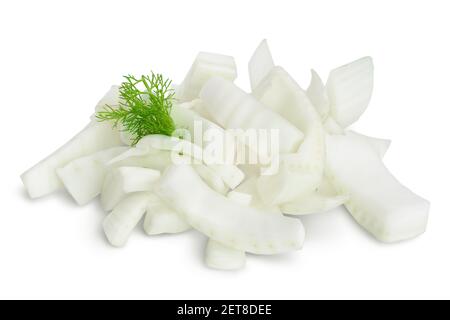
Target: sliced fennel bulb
166	152
42	179
237	226
232	108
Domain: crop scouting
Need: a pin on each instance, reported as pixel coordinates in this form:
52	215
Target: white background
57	58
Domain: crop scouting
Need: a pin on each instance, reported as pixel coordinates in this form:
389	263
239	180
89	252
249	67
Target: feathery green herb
144	107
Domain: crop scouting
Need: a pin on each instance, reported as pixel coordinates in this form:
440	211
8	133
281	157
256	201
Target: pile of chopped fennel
322	164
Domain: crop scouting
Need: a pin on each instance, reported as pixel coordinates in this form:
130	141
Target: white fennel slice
222	257
42	179
205	66
180	149
377	201
123	180
119	224
349	89
299	173
161	219
231	224
260	64
232	108
380	145
83	177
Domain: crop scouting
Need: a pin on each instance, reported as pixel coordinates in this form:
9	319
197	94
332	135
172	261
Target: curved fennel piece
232	108
119	224
380	145
377	201
83	177
299	173
260	64
349	90
123	180
234	225
42	179
205	66
230	174
221	257
160	219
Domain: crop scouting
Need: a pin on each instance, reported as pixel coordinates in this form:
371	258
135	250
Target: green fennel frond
144	107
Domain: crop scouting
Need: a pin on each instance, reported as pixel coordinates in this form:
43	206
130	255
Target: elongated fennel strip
300	173
119	224
240	227
205	66
123	180
161	219
260	64
83	177
42	179
379	203
349	89
232	108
